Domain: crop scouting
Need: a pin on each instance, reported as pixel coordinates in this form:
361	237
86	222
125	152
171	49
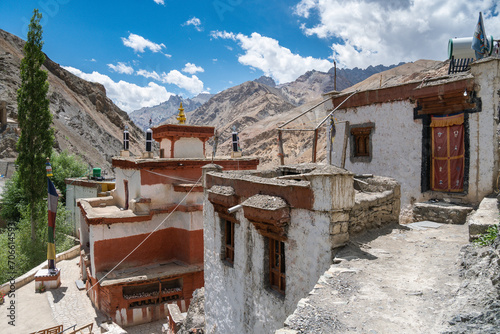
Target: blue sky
144	51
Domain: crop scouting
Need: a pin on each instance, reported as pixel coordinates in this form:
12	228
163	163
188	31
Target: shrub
487	238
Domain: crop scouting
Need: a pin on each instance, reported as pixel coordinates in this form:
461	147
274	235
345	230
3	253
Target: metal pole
315	144
344	148
324	120
334	75
281	153
305	112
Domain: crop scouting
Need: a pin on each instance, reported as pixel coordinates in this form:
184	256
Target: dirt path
394	280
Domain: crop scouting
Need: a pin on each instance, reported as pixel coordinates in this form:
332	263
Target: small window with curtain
277	278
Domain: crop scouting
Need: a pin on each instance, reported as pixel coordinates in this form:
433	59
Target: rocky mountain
266	81
312	84
86	121
160	113
240	107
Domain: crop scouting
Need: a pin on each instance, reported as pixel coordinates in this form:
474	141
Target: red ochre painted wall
162	246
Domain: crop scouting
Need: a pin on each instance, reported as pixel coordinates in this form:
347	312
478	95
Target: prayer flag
52	210
480	42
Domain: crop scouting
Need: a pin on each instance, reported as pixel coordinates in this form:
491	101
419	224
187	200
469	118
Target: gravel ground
391	280
477	307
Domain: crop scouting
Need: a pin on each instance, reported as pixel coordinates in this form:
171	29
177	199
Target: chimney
149	145
125	152
236	151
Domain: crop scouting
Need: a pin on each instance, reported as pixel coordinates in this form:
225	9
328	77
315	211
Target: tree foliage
34	118
65	165
28	253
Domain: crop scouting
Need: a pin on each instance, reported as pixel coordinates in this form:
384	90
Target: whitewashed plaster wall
396	144
183	148
484	154
134	185
74	192
251	306
189	221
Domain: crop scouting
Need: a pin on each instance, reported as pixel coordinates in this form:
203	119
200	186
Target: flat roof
149	272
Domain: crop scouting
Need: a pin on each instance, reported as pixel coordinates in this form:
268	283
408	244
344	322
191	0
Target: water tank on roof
460	48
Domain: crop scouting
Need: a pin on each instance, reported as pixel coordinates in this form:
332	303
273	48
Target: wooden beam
344	147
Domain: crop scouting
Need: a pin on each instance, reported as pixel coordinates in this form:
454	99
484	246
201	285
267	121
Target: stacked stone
377	204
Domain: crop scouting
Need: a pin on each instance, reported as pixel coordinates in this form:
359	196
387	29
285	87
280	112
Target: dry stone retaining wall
377	203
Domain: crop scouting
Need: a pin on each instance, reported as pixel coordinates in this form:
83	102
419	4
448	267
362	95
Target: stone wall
377	202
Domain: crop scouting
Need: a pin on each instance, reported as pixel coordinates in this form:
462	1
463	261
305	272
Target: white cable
171	177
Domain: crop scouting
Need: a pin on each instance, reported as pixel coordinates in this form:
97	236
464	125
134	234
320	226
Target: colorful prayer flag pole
52	210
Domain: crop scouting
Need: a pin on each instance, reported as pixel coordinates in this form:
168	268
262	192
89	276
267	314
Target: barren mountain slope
86	121
239	106
418	70
312	84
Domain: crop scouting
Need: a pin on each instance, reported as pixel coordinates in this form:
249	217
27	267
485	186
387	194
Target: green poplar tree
34	118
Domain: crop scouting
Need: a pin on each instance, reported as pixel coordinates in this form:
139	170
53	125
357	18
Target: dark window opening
228	240
277	278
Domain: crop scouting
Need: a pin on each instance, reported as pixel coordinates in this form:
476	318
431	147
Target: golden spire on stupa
182	116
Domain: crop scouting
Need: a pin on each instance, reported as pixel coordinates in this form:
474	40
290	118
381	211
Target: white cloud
273	59
167	55
192	84
126	95
160	2
192	68
223	34
149	75
372	32
194	21
140	44
121	68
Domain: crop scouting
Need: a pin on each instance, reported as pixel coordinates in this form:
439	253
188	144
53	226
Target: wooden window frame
277	267
361	140
228	240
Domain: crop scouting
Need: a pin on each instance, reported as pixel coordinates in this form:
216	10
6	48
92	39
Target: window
277	277
228	240
361	141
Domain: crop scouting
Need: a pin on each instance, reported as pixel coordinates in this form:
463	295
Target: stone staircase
441	212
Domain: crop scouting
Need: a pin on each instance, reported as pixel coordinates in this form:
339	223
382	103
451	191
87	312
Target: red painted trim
180	208
187	187
399	93
138	218
170	130
295	196
181	164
